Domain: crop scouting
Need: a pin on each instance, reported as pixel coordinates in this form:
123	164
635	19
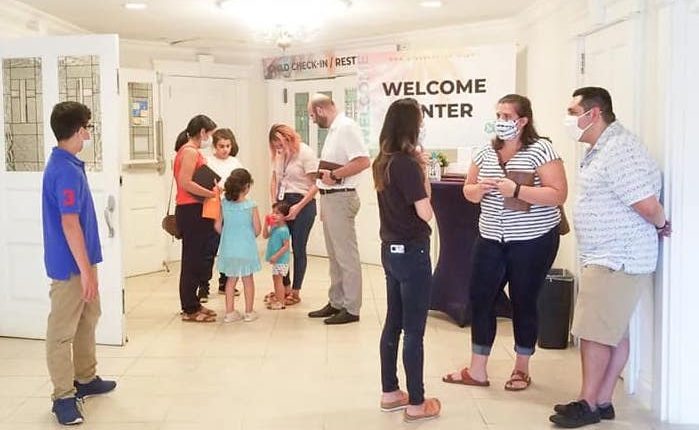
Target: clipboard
205	177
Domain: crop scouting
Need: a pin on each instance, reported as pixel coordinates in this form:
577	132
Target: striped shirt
616	173
505	225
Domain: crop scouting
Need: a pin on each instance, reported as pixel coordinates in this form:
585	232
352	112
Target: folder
205	177
326	165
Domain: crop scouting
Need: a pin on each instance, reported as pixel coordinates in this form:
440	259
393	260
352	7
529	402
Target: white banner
458	91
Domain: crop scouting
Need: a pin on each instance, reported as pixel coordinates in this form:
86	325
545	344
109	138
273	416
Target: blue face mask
506	129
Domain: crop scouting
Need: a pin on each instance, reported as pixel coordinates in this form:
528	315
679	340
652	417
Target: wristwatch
335	178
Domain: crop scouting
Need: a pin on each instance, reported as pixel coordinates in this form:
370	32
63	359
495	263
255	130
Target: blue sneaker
67	411
93	388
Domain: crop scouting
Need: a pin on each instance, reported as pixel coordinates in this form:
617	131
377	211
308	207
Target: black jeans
408	288
209	257
300	229
195	236
524	266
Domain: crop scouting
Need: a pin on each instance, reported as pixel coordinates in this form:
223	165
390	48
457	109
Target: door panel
611	62
24	302
185	97
145	245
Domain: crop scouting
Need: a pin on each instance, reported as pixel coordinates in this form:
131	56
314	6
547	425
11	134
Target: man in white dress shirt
339	204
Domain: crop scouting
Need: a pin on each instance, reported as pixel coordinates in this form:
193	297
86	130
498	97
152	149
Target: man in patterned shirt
618	220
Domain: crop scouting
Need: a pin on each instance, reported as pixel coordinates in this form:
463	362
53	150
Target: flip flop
207	311
466	379
518	376
395	405
290	300
198	317
432	409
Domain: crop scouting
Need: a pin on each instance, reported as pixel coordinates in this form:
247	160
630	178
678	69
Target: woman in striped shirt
519	181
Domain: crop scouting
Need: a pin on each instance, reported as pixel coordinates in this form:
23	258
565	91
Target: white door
143	170
37	74
610	61
293	111
185	97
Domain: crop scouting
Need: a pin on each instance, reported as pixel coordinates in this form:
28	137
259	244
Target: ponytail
182	138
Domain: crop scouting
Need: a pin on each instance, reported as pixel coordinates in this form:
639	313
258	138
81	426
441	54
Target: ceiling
202	24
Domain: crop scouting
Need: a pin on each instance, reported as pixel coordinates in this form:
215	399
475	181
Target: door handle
108	211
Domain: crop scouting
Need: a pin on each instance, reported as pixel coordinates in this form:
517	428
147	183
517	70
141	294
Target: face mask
421	136
506	129
87	143
206	143
570	122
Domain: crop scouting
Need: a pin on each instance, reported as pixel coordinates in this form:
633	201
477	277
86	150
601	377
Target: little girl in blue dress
237	253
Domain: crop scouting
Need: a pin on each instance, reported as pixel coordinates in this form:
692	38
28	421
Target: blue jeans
300	229
408	288
523	265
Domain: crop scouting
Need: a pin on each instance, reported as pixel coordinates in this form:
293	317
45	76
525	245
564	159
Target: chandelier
285	21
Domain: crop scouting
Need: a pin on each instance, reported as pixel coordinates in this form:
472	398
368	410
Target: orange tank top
184	197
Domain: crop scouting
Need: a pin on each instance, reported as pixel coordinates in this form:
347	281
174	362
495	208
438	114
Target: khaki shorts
606	300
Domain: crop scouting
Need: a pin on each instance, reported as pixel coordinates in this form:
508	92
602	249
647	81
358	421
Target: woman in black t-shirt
403	192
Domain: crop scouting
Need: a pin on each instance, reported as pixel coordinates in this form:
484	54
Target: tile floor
283	371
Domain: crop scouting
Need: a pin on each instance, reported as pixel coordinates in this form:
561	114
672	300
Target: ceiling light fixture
431	3
135	5
283	21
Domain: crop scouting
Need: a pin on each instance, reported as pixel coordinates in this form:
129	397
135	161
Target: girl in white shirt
222	161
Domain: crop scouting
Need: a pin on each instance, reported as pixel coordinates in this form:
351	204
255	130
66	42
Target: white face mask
87	143
570	122
421	136
206	143
506	129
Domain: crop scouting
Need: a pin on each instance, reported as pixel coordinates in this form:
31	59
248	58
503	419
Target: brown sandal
432	409
291	299
207	311
198	317
518	376
466	379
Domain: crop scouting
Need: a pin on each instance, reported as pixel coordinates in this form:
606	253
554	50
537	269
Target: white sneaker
233	317
250	317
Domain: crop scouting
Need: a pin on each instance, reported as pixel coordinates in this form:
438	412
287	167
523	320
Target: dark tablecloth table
457	226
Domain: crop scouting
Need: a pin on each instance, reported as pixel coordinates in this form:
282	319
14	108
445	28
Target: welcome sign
458	91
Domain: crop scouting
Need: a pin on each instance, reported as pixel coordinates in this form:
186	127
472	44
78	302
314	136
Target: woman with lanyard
519	182
294	167
195	229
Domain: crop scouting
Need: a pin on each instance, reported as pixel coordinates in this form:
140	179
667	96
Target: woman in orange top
195	229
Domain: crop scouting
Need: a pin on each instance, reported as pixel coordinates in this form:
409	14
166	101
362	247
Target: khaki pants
70	337
338	211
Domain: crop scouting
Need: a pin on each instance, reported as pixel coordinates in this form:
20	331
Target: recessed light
133	5
431	3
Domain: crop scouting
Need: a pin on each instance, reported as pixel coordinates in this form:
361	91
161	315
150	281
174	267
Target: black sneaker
93	388
576	414
324	312
342	317
67	412
605	412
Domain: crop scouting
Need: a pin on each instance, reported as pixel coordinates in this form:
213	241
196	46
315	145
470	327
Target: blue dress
237	252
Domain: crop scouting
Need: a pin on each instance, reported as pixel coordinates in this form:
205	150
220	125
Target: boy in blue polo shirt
71	253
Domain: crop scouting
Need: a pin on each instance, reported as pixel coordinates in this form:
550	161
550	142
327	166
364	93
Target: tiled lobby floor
284	371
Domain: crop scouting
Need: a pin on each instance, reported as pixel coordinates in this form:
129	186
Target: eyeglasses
89	127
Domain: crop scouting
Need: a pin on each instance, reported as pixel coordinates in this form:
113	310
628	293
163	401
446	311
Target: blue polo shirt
65	191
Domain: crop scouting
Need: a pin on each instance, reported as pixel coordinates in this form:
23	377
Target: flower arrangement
443	162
